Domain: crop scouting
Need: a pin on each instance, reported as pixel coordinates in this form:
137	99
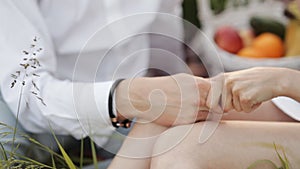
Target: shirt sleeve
289	106
66	107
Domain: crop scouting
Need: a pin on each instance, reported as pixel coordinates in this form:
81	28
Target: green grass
12	159
268	164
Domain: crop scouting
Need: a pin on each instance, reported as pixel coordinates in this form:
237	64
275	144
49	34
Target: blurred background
245	34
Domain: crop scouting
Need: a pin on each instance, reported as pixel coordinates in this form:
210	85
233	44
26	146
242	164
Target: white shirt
85	48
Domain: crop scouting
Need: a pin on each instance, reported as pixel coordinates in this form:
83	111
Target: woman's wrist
283	83
291	82
287	83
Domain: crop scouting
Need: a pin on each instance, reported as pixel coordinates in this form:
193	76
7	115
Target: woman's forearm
291	84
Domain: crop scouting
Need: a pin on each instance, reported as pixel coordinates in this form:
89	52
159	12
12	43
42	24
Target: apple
228	38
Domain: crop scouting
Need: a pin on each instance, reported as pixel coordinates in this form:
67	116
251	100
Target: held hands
184	99
245	90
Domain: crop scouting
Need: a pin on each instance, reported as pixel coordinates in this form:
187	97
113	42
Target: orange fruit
251	52
269	44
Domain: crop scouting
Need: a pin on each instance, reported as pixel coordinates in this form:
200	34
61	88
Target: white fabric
289	106
74	84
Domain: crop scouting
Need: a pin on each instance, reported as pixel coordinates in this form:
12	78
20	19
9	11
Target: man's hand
168	101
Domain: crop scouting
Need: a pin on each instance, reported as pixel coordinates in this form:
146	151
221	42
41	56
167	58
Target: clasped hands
184	99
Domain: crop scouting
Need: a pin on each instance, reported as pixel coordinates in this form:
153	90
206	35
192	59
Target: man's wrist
131	97
115	119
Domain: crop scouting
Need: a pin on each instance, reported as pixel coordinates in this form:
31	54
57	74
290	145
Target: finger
236	102
202	115
246	103
215	91
204	88
227	99
255	106
246	108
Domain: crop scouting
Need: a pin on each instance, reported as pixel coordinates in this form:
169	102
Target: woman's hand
168	101
245	90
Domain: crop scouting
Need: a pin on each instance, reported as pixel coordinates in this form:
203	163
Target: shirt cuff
101	93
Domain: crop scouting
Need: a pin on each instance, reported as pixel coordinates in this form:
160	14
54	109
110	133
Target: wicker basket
239	18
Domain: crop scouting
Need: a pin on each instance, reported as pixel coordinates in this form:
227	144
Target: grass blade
279	156
263	164
43	147
53	161
4	155
81	153
287	164
284	162
94	155
65	155
27	160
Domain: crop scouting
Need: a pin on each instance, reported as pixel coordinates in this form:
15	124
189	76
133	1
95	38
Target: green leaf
29	160
65	155
287	164
45	148
81	153
266	164
94	155
3	152
279	156
284	162
53	161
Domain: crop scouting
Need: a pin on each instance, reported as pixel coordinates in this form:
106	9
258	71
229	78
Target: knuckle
208	104
238	108
207	86
229	80
228	107
202	115
245	100
235	90
247	108
248	111
202	102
